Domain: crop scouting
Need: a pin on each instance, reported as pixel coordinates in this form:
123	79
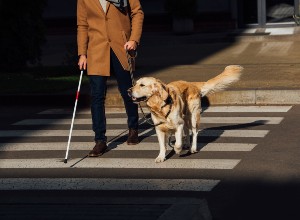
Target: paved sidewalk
270	58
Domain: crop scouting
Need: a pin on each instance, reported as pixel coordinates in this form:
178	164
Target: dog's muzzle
134	99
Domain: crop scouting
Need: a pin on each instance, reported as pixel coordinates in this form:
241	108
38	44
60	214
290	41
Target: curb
198	38
256	97
229	97
236	97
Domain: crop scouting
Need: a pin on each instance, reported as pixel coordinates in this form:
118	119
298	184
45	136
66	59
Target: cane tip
66	160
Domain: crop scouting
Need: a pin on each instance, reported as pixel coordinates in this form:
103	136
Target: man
106	30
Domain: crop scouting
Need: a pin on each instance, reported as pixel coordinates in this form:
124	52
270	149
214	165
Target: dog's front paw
177	150
193	150
160	159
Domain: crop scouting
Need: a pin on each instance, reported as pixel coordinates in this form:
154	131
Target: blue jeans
98	94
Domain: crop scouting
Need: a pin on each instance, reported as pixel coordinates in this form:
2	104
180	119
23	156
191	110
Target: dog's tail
230	75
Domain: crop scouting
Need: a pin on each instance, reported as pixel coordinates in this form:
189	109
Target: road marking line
248	109
107	184
118	121
90	133
209	109
119	146
241	120
130	163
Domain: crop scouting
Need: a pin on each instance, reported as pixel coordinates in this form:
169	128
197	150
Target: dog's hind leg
186	139
162	145
195	128
178	137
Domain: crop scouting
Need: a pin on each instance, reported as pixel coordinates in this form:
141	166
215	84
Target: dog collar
168	101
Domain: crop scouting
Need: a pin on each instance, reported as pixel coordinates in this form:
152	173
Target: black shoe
132	137
99	149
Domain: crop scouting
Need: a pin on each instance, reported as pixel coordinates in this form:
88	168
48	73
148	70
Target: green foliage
36	81
181	8
22	33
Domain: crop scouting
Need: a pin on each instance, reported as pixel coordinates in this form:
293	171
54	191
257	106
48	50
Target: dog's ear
161	90
155	87
164	92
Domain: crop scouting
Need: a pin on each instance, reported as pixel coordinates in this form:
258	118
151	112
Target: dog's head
146	87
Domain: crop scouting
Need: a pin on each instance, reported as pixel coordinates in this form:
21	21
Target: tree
22	33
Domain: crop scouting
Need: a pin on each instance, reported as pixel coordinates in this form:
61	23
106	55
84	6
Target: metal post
261	13
297	5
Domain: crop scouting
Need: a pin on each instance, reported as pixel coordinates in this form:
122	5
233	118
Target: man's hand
130	45
82	62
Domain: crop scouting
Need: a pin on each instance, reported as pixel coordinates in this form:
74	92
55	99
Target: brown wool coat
98	31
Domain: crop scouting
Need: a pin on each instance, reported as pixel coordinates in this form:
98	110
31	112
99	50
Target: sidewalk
269	56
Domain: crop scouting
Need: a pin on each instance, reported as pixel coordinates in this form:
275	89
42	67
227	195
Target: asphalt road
247	167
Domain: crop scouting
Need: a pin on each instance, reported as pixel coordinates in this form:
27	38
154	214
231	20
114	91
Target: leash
130	58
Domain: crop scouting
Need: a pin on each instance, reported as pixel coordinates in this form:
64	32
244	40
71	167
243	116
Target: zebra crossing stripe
205	185
248	109
116	132
114	121
209	109
225	147
130	163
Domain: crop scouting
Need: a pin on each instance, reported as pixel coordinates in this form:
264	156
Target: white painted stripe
87	111
227	147
118	146
149	163
88	133
130	163
249	109
118	121
107	184
209	109
234	133
241	120
45	146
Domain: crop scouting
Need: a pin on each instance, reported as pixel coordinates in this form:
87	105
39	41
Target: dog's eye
142	85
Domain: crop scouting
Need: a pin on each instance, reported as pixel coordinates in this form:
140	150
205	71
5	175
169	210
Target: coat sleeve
137	19
82	28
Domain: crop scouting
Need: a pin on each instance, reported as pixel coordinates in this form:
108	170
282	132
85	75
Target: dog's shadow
218	131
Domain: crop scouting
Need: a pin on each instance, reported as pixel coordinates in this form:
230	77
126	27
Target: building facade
264	13
244	13
261	13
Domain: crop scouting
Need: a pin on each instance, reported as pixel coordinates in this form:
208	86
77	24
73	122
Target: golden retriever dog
175	107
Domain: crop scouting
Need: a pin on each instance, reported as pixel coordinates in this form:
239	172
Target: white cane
74	111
